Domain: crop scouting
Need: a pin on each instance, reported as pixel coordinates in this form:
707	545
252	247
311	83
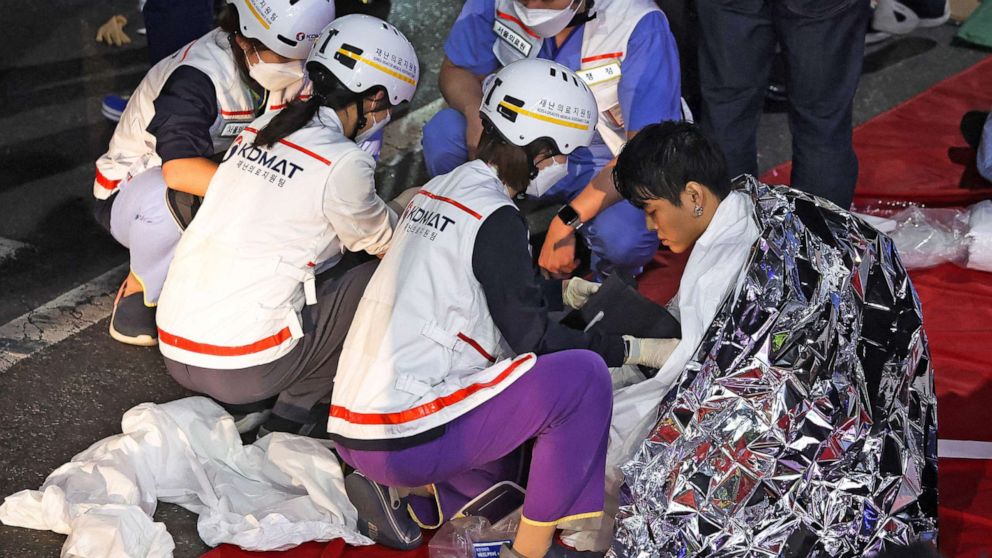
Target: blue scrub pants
617	237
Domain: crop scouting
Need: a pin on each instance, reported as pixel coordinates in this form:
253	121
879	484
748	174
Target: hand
576	292
112	32
473	133
652	353
558	252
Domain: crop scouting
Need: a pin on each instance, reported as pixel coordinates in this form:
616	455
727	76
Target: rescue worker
625	51
441	377
242	317
189	107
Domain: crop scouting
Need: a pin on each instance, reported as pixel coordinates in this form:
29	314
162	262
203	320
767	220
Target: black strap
182	206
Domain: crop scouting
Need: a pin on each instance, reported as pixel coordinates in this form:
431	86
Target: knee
589	371
444	141
623	245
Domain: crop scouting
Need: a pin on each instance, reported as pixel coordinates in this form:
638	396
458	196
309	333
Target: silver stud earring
697	211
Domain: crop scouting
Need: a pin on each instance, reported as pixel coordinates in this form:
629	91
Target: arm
649	92
984	159
518	301
462	90
360	218
185	109
190	175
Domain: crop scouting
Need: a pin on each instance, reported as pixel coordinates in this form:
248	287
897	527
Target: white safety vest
245	266
604	47
132	147
423	348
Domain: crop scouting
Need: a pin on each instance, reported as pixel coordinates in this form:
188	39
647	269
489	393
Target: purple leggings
564	402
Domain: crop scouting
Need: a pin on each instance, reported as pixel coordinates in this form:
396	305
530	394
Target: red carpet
896	165
915	151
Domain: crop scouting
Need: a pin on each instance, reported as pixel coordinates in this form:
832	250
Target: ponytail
328	91
290	119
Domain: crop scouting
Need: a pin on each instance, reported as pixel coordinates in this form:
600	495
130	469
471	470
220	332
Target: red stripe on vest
426	409
504	15
449	200
299	148
219	350
237	112
475	345
602	57
106	182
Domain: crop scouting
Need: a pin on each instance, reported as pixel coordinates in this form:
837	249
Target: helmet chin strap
362	119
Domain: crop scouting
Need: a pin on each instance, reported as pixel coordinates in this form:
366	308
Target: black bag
618	309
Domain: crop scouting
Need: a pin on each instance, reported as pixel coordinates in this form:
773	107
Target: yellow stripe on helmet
378	66
550	119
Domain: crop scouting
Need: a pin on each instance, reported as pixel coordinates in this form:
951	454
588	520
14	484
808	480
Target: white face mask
372	130
546	23
274	76
546	178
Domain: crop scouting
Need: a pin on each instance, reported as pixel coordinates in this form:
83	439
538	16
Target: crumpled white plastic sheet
275	494
980	236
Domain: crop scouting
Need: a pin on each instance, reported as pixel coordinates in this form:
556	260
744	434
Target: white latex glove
575	292
112	32
649	352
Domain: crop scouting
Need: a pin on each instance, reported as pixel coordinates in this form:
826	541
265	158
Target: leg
824	48
564	402
170	24
444	142
736	47
337	302
141	222
305	375
619	240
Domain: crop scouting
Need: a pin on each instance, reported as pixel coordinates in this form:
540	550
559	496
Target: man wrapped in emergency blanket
805	424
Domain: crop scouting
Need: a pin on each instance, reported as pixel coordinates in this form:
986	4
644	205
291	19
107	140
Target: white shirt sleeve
360	218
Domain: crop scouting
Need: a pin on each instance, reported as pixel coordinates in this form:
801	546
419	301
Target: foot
132	322
382	515
113	107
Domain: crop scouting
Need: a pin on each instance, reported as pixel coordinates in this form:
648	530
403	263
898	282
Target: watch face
568	215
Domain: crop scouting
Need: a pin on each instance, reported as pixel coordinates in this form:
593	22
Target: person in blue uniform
643	78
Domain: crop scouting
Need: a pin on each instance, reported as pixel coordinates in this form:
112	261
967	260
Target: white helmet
286	27
536	98
364	52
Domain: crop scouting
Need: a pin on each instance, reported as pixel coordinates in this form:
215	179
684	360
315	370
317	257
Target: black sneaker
132	322
382	515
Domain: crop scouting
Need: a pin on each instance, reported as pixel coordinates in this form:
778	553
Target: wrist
570	217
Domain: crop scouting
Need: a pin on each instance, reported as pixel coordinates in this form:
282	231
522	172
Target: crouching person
243	316
452	363
797	417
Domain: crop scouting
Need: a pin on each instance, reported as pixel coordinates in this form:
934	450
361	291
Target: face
376	109
678	228
546	160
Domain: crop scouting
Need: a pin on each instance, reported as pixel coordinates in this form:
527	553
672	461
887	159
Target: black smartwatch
570	217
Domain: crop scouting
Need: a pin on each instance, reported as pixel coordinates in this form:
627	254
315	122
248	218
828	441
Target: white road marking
964	449
60	318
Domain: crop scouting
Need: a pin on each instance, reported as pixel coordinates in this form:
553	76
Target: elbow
170	174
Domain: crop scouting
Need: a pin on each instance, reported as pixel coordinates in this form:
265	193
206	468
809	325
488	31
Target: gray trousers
303	377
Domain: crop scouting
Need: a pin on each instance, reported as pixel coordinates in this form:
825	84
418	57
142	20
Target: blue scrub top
649	88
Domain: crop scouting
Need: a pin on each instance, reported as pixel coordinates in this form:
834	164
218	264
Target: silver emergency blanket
806	422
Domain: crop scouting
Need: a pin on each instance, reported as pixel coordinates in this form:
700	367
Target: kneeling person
242	316
452	363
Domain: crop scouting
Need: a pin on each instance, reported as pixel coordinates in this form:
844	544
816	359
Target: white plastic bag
473	537
927	237
980	236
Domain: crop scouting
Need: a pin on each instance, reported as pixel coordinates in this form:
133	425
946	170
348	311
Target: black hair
229	22
514	164
662	158
328	91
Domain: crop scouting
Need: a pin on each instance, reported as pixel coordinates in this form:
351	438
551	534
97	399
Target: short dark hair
662	158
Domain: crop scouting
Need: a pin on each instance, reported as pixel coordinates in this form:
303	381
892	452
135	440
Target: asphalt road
71	383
